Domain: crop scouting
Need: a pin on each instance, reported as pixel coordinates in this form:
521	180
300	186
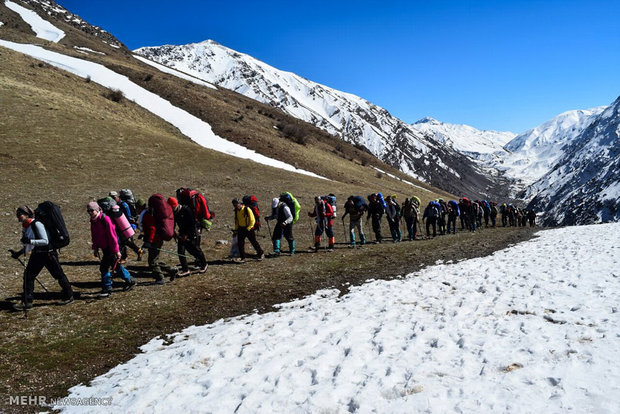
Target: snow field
531	328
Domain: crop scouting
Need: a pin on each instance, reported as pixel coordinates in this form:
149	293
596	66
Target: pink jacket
103	233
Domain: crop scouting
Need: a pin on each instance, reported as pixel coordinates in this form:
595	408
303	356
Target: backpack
164	217
381	200
292	204
455	207
252	202
331	200
49	214
126	195
360	204
197	202
106	204
416	201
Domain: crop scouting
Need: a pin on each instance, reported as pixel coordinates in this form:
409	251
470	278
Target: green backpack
292	204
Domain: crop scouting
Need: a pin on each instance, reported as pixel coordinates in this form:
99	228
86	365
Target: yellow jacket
244	218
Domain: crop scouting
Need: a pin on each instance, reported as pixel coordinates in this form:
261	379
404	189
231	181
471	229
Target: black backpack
106	204
49	214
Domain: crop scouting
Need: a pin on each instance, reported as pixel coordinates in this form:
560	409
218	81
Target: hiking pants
154	264
356	224
464	224
431	221
452	223
242	234
486	220
493	220
189	245
49	260
107	265
286	231
376	227
411	227
441	223
395	230
504	220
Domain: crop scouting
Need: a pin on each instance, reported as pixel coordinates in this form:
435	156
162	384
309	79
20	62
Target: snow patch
174	72
42	28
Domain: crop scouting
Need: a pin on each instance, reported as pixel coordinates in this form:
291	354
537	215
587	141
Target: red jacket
149	229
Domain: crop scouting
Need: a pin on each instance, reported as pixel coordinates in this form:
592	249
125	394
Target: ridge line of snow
194	128
42	28
175	72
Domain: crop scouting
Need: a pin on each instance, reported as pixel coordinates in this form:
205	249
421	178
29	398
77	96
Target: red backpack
197	202
164	217
252	202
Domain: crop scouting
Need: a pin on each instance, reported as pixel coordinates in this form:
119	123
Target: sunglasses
90	210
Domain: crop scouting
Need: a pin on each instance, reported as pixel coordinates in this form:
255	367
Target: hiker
375	212
281	212
503	210
410	213
493	213
140	211
431	213
355	207
129	213
185	237
531	216
393	217
244	228
158	224
103	236
453	213
36	243
323	214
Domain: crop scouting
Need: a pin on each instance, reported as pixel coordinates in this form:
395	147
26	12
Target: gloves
14	254
25	240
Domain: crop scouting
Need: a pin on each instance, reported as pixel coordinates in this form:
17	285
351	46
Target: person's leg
33	268
53	266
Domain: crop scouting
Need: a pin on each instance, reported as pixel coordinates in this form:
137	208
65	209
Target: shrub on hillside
295	132
115	95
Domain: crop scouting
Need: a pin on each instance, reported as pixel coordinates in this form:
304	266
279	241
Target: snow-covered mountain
476	143
584	185
345	115
533	153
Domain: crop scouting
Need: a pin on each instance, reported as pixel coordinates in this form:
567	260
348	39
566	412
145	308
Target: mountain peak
428	120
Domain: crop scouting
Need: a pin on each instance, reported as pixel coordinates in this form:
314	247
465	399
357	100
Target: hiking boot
238	260
65	301
123	261
140	253
261	257
184	273
18	307
159	280
203	269
129	285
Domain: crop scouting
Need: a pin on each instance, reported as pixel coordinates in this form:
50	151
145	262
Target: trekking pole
174	253
269	228
36	278
344	231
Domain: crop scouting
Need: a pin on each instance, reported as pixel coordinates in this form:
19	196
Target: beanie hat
113	194
25	210
140	203
173	202
93	206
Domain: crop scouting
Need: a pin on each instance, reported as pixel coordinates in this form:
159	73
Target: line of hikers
115	219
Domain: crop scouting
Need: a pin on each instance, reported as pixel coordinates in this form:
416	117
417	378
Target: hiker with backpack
453	213
355	207
441	220
531	217
158	224
103	236
185	237
37	243
127	207
375	213
431	213
281	212
244	229
493	214
323	214
393	217
410	213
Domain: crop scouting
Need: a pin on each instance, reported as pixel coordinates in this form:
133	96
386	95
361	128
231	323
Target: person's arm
40	235
288	216
250	216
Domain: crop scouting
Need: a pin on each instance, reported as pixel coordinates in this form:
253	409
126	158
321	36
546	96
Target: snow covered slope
530	329
584	185
476	143
533	153
348	116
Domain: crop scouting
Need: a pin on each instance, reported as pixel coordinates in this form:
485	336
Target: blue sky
503	65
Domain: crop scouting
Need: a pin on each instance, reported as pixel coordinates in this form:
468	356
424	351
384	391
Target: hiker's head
173	202
275	202
23	213
237	204
93	209
114	195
